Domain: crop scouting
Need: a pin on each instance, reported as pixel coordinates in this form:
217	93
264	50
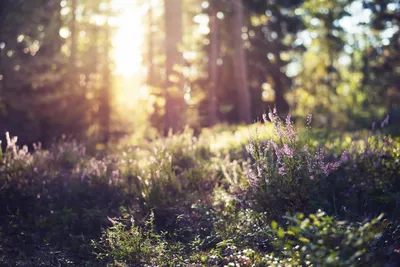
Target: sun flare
128	39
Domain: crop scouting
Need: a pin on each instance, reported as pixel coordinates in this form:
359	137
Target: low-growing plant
320	240
287	176
127	244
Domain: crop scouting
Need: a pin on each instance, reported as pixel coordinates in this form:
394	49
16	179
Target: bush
286	175
128	244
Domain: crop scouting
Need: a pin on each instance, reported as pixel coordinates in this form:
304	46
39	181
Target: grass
264	195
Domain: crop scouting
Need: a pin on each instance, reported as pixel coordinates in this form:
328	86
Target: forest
200	133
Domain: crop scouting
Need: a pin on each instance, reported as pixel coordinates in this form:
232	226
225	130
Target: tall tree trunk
74	44
2	52
75	94
240	64
150	74
281	104
173	32
50	49
215	47
105	106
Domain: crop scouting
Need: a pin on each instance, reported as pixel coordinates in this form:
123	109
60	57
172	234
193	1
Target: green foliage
320	240
187	199
129	244
286	175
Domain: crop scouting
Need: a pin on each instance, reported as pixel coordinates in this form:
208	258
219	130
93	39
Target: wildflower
385	121
115	174
83	175
271	116
309	120
288	119
282	171
111	220
288	151
252	178
12	143
308	159
250	148
319	157
278	153
344	157
259	171
330	167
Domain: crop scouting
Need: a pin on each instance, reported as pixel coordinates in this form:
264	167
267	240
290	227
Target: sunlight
127	53
129	38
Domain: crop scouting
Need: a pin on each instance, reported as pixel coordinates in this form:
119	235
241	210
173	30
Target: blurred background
101	70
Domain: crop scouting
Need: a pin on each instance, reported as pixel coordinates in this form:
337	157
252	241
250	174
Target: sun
128	40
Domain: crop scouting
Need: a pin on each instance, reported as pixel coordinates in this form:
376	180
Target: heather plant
368	179
68	154
56	198
175	165
126	243
210	201
287	175
13	161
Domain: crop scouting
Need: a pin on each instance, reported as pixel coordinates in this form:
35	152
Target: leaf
280	233
290	233
304	240
274	225
224	243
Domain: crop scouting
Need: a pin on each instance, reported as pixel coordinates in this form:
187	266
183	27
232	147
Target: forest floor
263	195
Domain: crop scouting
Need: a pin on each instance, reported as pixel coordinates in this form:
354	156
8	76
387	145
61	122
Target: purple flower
253	179
319	157
344	157
309	120
278	153
271	116
385	121
330	167
288	151
288	120
282	171
265	117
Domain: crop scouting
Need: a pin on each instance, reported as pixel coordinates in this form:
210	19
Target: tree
240	66
320	76
272	29
105	99
213	71
174	62
150	47
382	61
31	67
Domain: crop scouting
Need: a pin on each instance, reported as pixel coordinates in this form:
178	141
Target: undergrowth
265	195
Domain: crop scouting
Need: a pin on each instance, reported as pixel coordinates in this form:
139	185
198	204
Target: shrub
286	175
127	244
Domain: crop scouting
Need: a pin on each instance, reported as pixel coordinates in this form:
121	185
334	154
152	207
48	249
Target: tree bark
106	105
240	64
215	47
150	73
174	32
72	58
